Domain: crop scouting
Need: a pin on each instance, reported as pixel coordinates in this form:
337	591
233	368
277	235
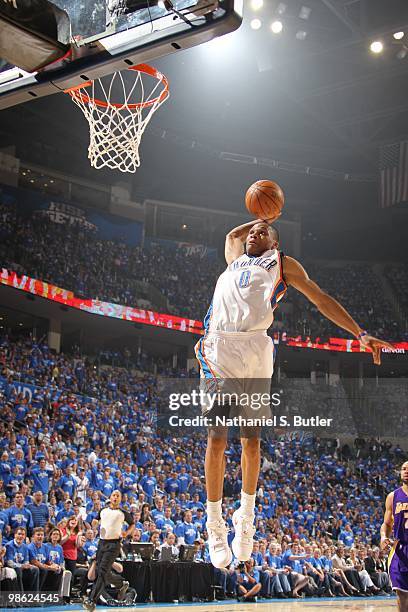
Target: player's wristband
362	334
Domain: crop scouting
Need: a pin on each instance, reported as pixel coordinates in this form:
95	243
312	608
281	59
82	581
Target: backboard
111	35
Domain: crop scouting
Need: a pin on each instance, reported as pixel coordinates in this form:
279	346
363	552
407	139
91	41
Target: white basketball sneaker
243	542
220	552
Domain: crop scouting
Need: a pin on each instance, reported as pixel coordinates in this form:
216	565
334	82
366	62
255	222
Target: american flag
394	174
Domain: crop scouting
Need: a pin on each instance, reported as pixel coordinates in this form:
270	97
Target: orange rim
145	68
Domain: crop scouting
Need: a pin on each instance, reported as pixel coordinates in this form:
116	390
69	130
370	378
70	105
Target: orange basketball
264	199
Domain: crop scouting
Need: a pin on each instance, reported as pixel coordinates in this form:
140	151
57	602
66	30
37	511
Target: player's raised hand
385	543
375	345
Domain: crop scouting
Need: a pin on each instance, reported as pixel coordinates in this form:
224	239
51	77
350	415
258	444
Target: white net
116	127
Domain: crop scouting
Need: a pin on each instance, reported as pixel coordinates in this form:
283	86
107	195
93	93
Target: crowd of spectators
398	278
354	405
75	258
77	433
359	290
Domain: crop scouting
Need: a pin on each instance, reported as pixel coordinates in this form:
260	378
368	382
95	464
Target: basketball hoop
116	128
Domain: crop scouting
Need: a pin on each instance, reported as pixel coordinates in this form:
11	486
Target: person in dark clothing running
110	519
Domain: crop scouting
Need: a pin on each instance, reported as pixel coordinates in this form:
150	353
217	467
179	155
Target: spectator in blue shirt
143	455
148	484
67	482
196	504
257	555
294	560
39	510
19	459
273	558
66	511
16	479
95	497
313	568
184	480
96	476
3	526
149	527
5	468
309	517
56	565
172	484
93	511
197	487
17	557
38	554
158	511
199	520
21	410
18	515
41	477
91	545
167	524
186	531
347	536
136	515
129	480
326	565
55	552
108	484
22	438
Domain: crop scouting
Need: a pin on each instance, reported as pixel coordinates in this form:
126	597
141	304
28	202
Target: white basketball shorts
238	365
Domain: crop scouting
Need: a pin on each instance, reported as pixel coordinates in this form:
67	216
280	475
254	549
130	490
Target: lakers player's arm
236	238
386	527
296	276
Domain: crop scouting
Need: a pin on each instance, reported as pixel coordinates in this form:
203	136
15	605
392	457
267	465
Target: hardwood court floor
310	605
306	605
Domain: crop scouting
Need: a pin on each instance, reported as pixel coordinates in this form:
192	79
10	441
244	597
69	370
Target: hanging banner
106	309
150	317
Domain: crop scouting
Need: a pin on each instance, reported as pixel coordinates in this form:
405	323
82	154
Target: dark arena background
106	277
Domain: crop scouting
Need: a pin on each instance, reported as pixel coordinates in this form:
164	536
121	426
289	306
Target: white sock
214	510
247	503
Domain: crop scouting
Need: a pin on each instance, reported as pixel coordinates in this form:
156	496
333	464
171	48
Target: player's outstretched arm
296	276
236	238
386	527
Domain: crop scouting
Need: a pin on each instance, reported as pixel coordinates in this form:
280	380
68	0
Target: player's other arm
236	238
296	276
386	527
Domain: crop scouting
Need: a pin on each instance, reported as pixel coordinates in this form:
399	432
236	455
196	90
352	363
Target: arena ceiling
325	100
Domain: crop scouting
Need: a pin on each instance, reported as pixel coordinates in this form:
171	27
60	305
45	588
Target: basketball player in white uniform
236	347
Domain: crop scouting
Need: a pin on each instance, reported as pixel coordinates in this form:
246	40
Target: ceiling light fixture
277	27
256	24
376	46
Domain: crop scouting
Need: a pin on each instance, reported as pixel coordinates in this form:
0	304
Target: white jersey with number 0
246	294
